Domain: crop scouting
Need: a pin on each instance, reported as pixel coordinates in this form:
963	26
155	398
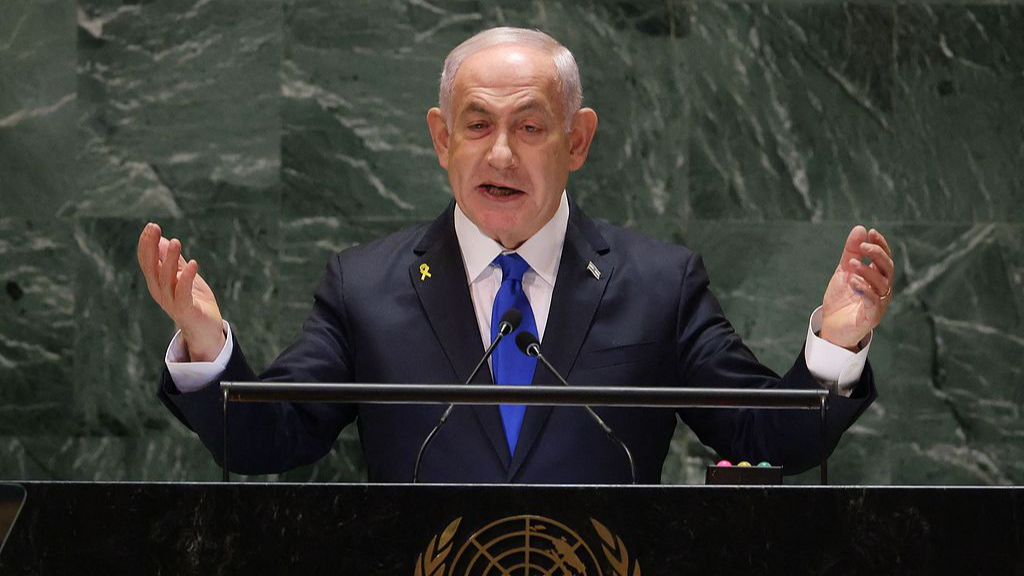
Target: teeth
500	190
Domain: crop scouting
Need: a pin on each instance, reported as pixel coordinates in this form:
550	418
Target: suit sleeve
274	437
711	354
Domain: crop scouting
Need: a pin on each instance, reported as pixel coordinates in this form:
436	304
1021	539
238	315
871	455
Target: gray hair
569	85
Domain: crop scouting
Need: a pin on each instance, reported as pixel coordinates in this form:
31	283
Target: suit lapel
444	295
573	305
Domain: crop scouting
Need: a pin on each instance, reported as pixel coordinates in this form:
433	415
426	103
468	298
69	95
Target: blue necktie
509	364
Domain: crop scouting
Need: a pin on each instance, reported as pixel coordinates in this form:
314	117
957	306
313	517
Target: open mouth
499	191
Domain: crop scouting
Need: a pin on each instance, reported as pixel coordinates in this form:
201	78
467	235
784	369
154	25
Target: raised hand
182	293
858	294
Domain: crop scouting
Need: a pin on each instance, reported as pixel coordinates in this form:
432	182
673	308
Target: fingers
866	290
164	243
183	293
875	280
876	237
169	278
880	258
851	249
169	270
147	251
149	259
857	236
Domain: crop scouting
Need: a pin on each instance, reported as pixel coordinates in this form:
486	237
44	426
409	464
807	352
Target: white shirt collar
542	251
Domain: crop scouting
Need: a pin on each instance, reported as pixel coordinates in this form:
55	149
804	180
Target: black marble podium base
400	530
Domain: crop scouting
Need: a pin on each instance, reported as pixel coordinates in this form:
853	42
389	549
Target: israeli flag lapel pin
593	270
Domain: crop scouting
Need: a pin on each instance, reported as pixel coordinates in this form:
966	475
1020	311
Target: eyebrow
528	106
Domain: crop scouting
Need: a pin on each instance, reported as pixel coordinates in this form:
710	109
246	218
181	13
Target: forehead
506	72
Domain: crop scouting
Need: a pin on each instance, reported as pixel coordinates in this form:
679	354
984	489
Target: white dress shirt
543	252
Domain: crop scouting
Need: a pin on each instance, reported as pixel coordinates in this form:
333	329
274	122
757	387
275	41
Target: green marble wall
269	133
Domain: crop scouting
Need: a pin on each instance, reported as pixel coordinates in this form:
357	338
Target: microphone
509	322
529	345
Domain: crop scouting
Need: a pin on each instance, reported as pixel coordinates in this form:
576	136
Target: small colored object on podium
744	473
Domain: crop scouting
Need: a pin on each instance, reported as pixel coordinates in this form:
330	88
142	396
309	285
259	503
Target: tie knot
512	266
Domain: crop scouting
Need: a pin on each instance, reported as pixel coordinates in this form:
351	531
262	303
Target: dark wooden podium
433	530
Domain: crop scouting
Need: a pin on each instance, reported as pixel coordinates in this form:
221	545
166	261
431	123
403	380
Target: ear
584	125
439	135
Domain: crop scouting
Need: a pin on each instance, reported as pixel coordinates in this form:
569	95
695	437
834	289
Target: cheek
462	160
552	172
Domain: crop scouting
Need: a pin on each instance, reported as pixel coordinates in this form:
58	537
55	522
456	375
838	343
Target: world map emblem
526	545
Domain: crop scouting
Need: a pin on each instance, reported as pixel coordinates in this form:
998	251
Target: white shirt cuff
832	364
191	376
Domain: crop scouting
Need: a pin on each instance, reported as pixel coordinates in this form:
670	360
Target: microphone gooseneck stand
530	346
509	322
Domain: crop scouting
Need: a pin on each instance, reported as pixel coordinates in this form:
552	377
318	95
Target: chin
498	227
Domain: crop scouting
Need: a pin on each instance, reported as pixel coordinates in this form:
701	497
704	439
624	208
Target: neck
508	244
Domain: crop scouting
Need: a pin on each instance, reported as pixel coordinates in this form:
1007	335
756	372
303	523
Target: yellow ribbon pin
424	272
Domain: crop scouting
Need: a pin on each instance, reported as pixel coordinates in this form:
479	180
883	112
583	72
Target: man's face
507	153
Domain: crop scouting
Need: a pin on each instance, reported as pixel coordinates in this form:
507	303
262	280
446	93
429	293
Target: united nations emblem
524	545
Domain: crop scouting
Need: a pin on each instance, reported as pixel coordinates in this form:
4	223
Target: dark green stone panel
356	86
959	115
37	106
788	103
174	455
179	104
873	111
37	326
169	457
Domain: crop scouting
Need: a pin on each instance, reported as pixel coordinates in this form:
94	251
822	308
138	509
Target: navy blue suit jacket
649	320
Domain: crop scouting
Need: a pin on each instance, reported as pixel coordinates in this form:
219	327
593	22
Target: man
610	306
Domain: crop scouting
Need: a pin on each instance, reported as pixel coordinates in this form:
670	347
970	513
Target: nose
501	156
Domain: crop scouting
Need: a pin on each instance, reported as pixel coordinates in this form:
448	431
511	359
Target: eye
531	129
477	126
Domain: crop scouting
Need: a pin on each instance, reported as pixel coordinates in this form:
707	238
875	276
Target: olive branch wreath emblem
432	561
615	550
